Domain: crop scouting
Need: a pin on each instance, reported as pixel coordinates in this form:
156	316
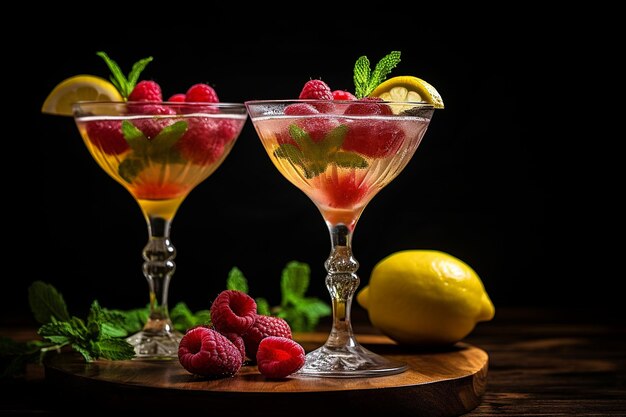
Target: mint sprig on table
313	157
124	84
101	335
366	80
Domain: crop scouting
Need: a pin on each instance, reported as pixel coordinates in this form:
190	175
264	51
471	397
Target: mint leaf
15	355
46	302
361	76
167	137
138	67
133	320
183	318
105	323
313	309
135	137
383	68
291	152
313	157
117	76
302	138
349	160
237	281
58	332
366	80
294	281
334	139
87	353
262	306
130	168
113	349
123	84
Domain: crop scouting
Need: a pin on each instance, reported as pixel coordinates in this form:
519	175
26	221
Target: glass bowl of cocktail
341	153
159	151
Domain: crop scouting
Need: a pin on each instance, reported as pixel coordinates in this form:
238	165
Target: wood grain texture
542	362
439	383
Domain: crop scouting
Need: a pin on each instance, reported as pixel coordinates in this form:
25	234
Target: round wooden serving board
438	383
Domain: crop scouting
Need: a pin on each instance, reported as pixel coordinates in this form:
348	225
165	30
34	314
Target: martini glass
159	152
340	154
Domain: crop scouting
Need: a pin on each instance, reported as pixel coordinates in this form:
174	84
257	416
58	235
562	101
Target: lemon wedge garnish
79	88
406	88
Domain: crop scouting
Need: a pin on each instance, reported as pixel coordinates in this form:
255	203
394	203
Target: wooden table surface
541	363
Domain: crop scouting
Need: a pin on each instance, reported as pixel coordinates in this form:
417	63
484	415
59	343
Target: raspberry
107	136
375	139
372	138
300	109
203	142
316	90
152	126
177	98
146	91
204	351
369	106
279	357
201	93
345	191
233	312
343	95
263	327
237	340
158	190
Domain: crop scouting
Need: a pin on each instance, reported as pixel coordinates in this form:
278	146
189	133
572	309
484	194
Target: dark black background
479	187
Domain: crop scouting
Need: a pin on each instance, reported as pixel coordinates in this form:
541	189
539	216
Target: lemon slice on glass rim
407	88
79	88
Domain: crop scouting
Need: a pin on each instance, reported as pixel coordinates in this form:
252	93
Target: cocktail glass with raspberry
341	153
159	151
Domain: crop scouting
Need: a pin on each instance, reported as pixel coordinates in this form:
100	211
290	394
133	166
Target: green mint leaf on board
263	306
183	318
314	157
236	281
15	355
133	320
366	80
124	85
113	349
294	281
46	303
106	324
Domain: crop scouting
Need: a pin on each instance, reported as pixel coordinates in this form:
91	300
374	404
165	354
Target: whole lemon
425	297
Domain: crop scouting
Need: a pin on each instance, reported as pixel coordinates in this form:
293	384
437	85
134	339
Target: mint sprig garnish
314	157
158	149
124	84
366	80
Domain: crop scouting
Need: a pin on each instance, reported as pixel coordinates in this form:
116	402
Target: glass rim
166	103
315	101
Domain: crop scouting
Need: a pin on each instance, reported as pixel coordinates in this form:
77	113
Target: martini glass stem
158	269
342	282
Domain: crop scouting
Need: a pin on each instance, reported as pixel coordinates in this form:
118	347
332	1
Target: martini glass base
150	345
348	362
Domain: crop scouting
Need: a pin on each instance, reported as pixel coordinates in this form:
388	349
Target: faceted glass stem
158	339
342	356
